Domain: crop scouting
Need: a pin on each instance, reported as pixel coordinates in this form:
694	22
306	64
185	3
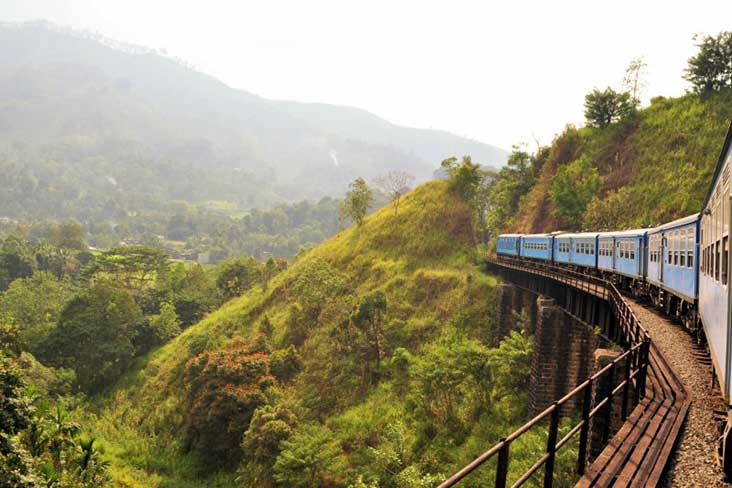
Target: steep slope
422	261
92	123
656	166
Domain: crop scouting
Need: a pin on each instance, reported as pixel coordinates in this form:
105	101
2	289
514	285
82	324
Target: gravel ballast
693	464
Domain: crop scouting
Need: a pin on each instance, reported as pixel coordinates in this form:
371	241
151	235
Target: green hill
655	166
430	399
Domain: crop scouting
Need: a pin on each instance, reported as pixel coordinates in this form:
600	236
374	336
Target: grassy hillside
438	321
656	166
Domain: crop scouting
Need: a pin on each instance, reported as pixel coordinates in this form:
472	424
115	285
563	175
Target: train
681	266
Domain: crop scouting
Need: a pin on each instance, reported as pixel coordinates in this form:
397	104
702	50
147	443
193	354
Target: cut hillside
656	166
437	320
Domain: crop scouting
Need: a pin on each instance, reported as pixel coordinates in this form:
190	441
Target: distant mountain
91	128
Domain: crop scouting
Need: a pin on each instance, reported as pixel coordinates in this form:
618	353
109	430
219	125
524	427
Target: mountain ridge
74	100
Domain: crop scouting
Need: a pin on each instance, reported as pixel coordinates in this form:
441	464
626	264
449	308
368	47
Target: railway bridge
616	428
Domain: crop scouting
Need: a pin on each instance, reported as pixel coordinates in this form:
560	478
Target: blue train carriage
537	246
508	244
582	249
626	260
714	296
672	275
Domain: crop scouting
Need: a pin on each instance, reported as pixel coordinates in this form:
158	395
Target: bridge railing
631	364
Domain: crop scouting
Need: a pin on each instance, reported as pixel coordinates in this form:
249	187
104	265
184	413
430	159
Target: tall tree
464	177
134	266
357	202
711	68
602	108
94	336
395	184
634	81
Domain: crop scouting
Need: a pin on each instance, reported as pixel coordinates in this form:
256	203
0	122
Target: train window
669	246
716	260
682	249
725	251
690	248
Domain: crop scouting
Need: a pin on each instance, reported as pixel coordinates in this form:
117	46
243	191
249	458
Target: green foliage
224	387
69	235
16	260
710	69
157	329
310	458
41	447
512	182
33	305
237	275
94	336
357	202
136	267
286	363
363	334
464	177
269	427
190	289
573	188
602	108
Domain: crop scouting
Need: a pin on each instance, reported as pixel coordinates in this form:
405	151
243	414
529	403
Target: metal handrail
635	369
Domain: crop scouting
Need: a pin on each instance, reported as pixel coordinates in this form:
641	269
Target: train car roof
676	223
580	235
720	164
624	233
536	235
510	235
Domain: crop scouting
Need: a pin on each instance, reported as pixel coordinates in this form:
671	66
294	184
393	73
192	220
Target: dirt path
694	461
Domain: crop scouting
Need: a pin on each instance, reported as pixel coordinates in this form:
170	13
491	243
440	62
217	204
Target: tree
395	184
158	329
134	266
573	188
310	458
225	386
711	68
94	336
367	323
33	305
602	108
269	427
237	275
634	82
69	235
357	202
16	260
464	177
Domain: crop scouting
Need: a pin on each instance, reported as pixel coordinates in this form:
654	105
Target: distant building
204	258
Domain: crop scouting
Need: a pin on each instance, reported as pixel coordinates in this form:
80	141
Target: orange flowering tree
225	386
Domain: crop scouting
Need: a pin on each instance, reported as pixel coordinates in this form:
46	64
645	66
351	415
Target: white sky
501	72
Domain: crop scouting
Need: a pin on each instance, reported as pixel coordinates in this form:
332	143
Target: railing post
636	367
551	447
502	468
626	386
609	404
644	365
585	431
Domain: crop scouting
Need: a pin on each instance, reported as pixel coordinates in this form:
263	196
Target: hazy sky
501	72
